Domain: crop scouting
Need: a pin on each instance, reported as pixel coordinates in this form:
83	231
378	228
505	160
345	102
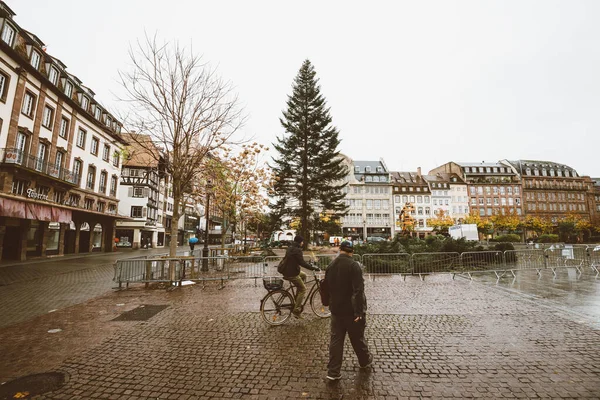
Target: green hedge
511	237
550	238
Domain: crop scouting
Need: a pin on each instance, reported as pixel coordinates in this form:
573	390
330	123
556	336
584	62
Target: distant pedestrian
348	306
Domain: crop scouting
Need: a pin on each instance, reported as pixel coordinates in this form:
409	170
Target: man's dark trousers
340	324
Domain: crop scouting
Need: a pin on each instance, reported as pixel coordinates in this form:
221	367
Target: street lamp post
205	248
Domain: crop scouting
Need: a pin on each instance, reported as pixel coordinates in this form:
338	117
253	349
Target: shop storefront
34	227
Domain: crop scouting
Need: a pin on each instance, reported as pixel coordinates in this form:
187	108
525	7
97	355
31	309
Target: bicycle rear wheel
276	307
317	306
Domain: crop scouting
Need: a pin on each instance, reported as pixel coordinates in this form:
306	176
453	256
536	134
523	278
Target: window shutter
144	212
130	191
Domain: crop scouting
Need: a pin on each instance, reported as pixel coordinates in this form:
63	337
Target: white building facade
59	154
369	201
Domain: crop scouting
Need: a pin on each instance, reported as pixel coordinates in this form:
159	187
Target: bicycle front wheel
276	307
317	305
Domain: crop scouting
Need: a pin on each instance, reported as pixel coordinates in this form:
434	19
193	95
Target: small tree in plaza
184	107
539	225
441	223
572	227
484	225
308	172
239	185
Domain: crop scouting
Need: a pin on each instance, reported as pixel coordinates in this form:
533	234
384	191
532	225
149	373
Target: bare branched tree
184	107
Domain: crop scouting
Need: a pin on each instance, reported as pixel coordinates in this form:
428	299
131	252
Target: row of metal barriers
192	267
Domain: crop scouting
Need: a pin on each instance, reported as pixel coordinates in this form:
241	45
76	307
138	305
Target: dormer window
8	34
367	168
528	171
85	103
53	75
379	169
97	113
357	169
69	89
35	59
108	121
551	172
543	171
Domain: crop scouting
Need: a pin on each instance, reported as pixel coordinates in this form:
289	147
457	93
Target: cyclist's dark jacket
294	260
346	287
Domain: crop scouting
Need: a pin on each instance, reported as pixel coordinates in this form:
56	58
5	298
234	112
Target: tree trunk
174	233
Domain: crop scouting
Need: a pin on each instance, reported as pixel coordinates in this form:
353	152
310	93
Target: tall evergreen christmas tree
309	171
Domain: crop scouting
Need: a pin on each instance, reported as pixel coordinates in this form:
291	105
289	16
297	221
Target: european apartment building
554	190
369	201
59	154
494	188
522	187
140	194
411	187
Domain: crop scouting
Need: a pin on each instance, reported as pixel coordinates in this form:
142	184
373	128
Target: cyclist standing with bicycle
348	306
294	259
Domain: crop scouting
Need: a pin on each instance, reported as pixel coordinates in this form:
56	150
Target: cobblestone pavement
31	289
441	338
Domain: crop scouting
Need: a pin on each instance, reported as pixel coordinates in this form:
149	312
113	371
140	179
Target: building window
59	197
136	212
115	159
48	117
19	187
41	156
91	178
85	103
64	127
4	80
74	200
94	146
103	177
58	161
81	138
138	191
100	206
105	152
88	204
113	186
77	165
28	104
367	168
69	89
53	75
8	34
35	59
97	113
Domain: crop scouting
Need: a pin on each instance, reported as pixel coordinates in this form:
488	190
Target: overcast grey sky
417	83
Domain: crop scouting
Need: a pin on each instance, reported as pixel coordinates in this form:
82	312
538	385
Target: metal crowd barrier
387	264
429	263
226	267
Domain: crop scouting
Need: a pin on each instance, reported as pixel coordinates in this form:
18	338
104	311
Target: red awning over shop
40	212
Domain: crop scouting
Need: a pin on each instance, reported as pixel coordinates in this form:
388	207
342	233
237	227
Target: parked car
375	239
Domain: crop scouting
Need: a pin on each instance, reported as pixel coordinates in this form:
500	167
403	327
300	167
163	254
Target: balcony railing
19	157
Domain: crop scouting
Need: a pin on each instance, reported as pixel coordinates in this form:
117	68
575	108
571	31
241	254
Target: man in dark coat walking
348	306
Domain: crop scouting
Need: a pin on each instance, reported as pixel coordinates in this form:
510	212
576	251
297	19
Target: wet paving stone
437	339
31	385
141	313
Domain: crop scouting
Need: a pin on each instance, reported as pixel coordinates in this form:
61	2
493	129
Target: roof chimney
419	172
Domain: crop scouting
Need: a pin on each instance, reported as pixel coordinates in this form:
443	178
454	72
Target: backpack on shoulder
281	265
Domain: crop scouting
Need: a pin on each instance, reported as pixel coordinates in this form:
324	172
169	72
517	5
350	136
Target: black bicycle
277	306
